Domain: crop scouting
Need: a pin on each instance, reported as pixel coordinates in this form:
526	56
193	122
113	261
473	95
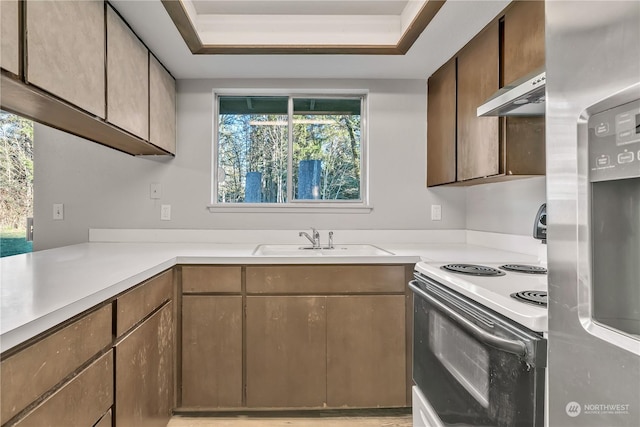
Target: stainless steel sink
307	251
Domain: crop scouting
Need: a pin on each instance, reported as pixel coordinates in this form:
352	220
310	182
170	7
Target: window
284	150
16	184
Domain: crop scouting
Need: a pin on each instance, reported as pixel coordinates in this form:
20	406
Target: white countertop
42	289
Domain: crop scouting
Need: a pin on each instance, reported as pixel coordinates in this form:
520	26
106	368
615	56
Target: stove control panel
614	143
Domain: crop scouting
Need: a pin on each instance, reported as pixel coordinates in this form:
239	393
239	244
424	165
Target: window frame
295	205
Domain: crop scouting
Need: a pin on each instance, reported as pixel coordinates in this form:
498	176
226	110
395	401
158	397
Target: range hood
523	97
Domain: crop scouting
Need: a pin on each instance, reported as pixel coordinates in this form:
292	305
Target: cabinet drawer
31	372
196	279
81	402
313	279
139	302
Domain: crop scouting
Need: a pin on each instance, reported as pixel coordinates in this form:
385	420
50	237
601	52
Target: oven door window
465	359
468	382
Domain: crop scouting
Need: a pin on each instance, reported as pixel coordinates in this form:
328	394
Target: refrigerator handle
510	346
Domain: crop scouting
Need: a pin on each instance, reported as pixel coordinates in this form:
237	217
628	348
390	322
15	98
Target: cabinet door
127	78
66	51
211	351
366	351
478	78
286	352
32	372
441	125
162	107
10	36
523	50
144	372
82	402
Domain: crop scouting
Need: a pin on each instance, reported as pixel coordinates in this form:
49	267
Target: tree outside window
284	149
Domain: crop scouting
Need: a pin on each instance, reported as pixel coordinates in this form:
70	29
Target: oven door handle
510	346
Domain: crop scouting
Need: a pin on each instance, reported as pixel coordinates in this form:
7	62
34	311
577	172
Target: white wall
506	207
102	188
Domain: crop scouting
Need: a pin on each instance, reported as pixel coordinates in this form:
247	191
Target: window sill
290	208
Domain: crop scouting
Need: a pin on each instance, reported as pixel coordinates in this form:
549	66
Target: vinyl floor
337	421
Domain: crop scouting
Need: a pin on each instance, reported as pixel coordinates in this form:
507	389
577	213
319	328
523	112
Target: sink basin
304	251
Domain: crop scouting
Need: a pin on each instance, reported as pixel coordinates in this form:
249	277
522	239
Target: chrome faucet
330	245
315	240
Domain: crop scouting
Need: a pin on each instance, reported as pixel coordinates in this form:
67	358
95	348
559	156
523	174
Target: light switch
436	212
58	211
165	212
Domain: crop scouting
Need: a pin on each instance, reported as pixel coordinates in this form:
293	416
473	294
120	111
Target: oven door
473	366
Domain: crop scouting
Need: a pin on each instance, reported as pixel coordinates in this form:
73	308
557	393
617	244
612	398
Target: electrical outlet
165	212
58	211
155	191
436	212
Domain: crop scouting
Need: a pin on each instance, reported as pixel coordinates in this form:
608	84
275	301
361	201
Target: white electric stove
479	349
494	292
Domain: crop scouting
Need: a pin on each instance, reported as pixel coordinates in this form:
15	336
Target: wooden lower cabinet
145	372
33	371
286	351
326	351
211	351
81	402
366	351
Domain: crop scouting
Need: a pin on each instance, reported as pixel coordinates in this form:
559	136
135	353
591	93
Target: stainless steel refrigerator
593	207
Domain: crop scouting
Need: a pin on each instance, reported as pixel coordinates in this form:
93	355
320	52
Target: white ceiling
453	26
301	22
299	7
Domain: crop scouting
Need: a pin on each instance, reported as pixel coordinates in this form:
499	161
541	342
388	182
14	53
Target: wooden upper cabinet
66	51
127	78
10	36
441	125
523	48
162	107
523	53
478	78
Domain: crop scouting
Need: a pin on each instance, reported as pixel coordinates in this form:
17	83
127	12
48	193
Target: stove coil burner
522	268
538	298
474	270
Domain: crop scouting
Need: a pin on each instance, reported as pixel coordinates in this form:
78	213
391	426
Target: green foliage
14	242
16	170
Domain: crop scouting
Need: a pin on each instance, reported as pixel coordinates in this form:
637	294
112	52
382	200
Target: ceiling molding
181	20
